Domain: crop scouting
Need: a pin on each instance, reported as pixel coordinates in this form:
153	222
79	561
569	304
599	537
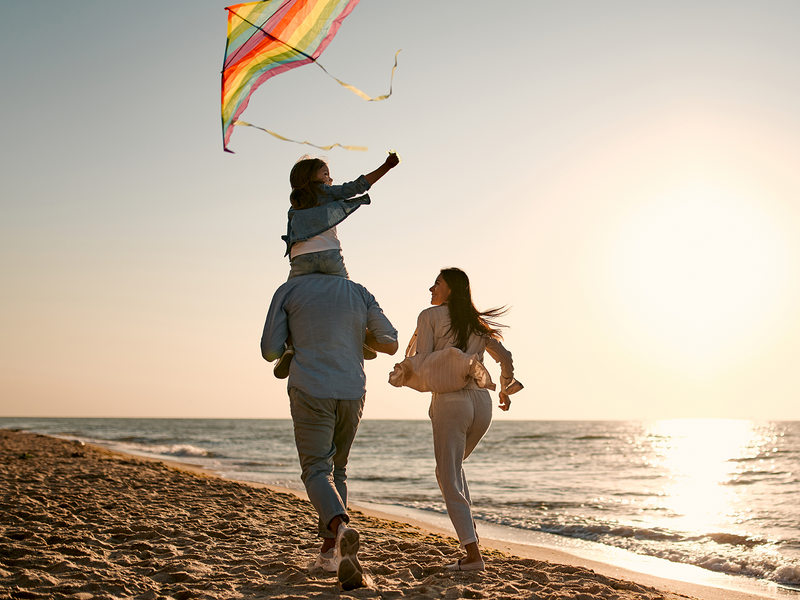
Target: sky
622	174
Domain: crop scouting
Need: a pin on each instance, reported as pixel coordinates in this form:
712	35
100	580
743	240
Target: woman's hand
505	401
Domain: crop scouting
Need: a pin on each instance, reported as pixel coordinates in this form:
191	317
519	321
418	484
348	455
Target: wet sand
81	522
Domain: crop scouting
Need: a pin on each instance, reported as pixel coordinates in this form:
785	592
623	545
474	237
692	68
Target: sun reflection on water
702	459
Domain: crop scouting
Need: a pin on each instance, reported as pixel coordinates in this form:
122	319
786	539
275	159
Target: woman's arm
508	385
423	336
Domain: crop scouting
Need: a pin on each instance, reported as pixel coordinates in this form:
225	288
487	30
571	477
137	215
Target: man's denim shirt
335	204
327	316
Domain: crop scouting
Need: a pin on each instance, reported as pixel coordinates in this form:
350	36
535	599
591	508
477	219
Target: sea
715	496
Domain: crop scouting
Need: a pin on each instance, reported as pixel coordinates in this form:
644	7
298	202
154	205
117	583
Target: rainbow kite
269	38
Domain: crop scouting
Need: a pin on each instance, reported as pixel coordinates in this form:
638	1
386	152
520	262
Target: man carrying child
330	319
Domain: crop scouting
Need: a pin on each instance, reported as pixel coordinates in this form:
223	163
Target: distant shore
80	521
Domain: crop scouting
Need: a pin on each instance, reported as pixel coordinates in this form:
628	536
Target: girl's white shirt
327	240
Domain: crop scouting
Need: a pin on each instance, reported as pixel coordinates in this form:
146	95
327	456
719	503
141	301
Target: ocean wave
132	439
186	450
142	445
253	463
536	505
641	494
771	567
532	436
788	575
436	507
178	450
381	478
743	556
735	539
765	455
754	477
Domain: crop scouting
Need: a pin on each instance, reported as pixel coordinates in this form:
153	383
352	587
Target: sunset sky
624	175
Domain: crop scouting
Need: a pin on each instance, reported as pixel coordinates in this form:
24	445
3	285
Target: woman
459	418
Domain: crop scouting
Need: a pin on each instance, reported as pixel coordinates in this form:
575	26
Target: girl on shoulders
318	207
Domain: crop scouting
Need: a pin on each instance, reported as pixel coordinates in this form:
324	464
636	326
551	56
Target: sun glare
700	457
698	271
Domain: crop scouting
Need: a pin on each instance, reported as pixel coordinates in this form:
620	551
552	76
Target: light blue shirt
327	317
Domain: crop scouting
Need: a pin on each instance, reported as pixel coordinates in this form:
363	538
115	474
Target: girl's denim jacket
335	203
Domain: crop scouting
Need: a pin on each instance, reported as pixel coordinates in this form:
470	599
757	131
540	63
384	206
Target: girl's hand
390	163
505	401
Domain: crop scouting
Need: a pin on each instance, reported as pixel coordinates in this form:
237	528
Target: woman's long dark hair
305	185
465	319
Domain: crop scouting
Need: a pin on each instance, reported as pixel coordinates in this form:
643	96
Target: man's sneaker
350	572
281	368
327	561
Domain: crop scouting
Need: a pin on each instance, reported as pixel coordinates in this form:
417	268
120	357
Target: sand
81	522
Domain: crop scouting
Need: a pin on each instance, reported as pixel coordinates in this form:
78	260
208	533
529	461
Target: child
317	208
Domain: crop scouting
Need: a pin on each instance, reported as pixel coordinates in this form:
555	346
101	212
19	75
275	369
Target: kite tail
357	91
280	137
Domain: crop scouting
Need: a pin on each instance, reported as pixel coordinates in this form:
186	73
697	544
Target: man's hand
505	401
389	348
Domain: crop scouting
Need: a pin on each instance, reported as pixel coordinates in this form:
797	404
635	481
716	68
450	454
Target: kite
271	37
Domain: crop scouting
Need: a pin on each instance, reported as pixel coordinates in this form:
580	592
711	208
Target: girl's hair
304	182
465	319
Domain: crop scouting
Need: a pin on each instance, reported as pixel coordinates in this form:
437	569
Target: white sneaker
327	561
349	572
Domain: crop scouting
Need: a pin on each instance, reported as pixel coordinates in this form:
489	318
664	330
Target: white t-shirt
327	240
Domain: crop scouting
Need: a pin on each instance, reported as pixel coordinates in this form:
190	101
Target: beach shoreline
81	521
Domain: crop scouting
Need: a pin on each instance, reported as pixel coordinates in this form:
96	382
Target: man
330	319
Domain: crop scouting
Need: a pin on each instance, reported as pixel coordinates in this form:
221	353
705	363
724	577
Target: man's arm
381	334
387	348
276	331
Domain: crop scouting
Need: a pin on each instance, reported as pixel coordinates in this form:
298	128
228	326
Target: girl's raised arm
390	163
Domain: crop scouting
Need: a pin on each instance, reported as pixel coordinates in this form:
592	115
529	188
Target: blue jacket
335	204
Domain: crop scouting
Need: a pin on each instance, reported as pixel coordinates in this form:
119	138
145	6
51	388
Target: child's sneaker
281	368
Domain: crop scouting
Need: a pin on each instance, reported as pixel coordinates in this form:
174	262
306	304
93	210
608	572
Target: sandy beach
81	522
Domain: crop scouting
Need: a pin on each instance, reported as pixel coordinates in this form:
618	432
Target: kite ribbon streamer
357	91
280	137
